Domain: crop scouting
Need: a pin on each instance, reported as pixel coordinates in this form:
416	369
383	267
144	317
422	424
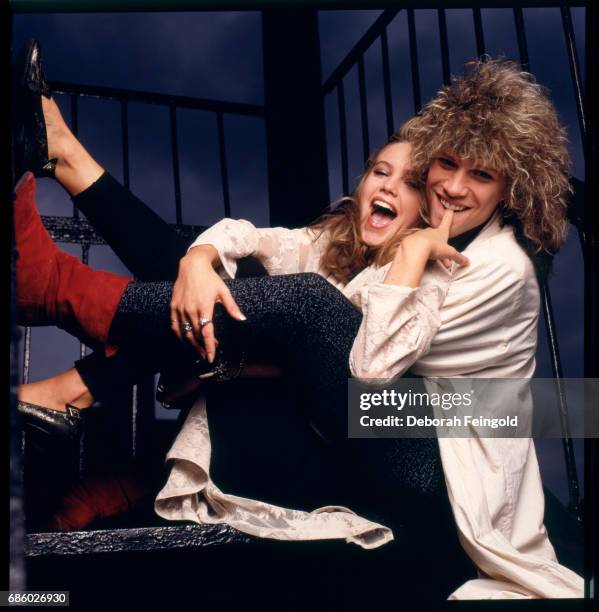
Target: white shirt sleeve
398	326
280	250
456	323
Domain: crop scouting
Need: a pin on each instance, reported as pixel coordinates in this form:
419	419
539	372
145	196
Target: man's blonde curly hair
498	115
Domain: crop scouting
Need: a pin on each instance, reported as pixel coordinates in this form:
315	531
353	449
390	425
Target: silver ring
204	321
187	327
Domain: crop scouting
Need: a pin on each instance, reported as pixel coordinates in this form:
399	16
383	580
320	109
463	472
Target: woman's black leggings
305	322
310	326
137	233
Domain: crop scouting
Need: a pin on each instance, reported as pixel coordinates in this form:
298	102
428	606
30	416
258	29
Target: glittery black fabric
310	326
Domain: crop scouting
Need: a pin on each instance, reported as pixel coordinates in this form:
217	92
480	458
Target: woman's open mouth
382	214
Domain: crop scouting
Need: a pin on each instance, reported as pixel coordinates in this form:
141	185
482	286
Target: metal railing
75	230
378	33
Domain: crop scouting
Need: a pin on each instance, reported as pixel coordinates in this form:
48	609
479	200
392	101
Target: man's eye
446	162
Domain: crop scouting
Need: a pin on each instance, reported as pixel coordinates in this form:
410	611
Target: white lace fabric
190	494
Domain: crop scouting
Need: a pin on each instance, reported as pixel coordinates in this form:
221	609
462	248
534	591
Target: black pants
302	319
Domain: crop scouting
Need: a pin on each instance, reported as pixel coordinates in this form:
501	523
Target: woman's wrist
408	264
201	254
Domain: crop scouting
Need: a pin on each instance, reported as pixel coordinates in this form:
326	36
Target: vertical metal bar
574	68
478	32
343	138
224	171
414	61
82	353
293	96
387	82
134	410
591	302
125	141
85	253
85	260
81	463
444	46
26	355
26	368
176	169
363	109
556	365
17	573
75	130
521	34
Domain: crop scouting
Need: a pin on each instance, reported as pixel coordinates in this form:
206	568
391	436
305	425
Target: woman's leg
130	227
310	326
54	288
133	230
301	318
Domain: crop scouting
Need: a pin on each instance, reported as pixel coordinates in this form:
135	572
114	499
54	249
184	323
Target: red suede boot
100	496
54	288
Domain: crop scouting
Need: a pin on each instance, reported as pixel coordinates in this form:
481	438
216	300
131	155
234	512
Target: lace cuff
233	239
280	250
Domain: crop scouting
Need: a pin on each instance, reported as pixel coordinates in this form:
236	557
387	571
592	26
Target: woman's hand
418	248
197	288
432	242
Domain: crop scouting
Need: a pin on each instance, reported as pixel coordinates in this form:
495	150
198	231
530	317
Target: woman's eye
413	184
483	175
381	173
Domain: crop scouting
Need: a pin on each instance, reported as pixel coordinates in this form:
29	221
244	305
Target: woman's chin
372	240
375	238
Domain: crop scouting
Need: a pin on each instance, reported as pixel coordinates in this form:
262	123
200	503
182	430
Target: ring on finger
187	327
204	321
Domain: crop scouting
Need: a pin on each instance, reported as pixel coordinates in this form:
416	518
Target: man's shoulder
500	249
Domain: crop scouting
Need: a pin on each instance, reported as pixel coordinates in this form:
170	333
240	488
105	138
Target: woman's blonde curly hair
498	115
345	254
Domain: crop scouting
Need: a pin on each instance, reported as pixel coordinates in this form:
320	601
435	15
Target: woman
447	322
304	302
323	361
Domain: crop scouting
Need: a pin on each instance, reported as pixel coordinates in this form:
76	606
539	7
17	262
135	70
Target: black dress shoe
179	382
47	422
30	142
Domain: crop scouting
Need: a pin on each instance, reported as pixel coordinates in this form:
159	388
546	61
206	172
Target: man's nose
455	185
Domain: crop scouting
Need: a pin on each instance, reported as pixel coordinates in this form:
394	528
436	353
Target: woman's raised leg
44	145
129	226
54	288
